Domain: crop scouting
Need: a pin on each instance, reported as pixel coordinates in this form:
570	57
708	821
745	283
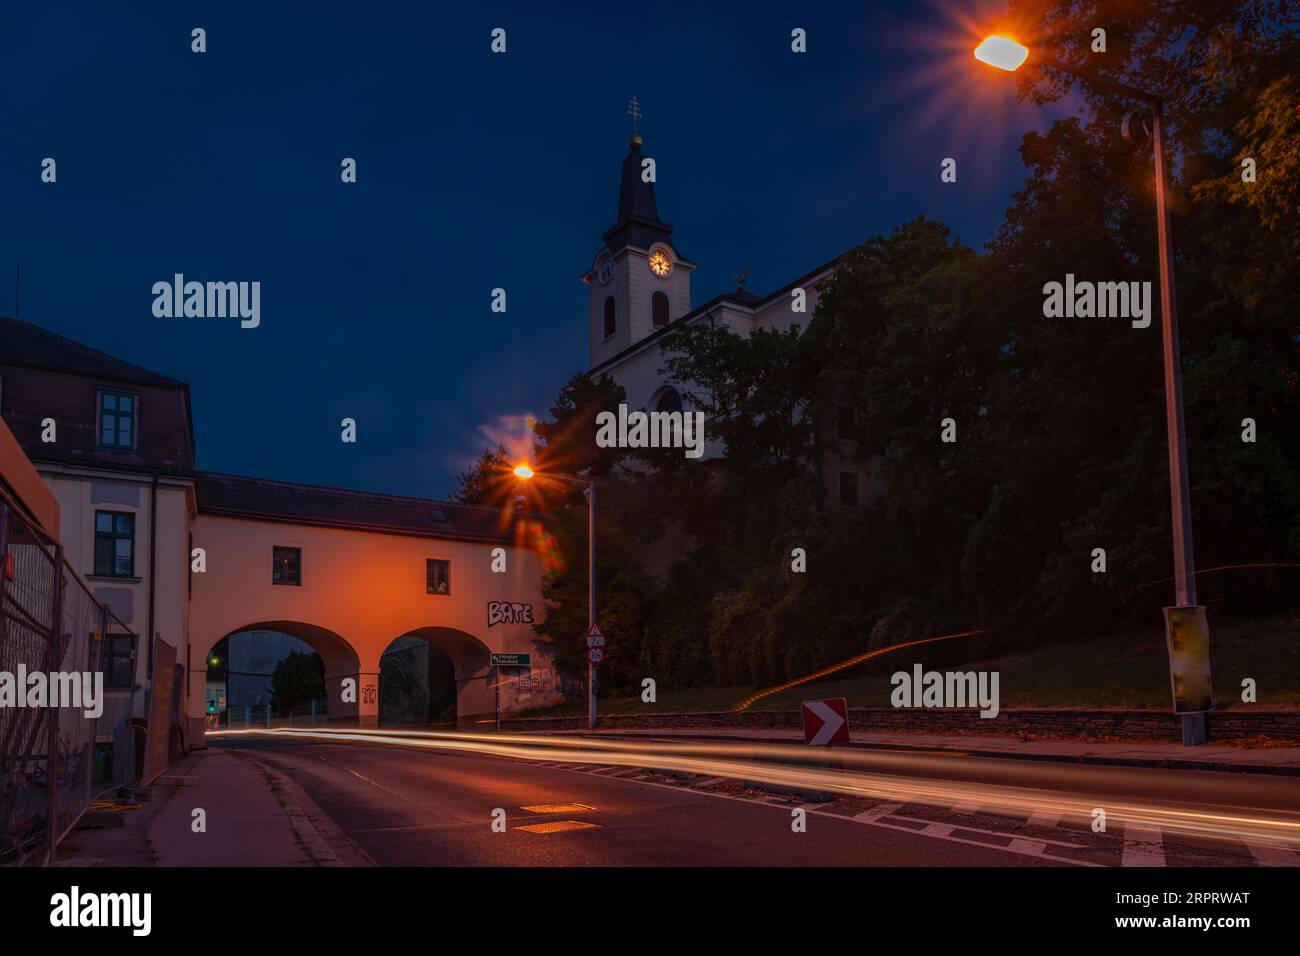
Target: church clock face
660	264
605	267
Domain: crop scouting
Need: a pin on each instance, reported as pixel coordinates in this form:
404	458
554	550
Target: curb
318	834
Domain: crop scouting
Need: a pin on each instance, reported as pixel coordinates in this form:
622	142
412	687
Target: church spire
638	221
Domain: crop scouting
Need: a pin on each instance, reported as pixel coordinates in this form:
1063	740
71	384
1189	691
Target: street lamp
1006	54
523	472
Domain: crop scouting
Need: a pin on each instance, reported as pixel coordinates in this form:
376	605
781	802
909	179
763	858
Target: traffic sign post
825	722
505	660
595	641
511	660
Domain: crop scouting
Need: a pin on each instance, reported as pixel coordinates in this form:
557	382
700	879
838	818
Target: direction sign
512	660
595	638
595	655
826	722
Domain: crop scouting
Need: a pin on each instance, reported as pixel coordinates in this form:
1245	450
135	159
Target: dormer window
610	324
117	420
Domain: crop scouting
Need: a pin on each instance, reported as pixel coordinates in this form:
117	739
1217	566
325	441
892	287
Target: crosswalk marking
1028	847
710	782
1143	845
1273	855
1044	818
878	811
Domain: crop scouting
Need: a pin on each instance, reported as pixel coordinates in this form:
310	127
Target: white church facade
639	286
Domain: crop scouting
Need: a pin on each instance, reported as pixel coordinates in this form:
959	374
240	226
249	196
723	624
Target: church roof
638	222
260	499
742	297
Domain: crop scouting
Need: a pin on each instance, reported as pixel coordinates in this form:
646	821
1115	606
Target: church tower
637	282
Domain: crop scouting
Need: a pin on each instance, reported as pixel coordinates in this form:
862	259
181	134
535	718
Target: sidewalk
254	816
1282	760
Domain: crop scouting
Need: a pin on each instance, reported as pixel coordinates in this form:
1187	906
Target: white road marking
1028	847
966	809
1273	855
1143	845
710	782
1045	818
878	811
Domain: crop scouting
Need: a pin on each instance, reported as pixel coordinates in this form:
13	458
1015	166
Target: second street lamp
1186	629
524	472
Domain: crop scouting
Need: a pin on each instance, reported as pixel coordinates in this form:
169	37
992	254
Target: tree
486	482
297	679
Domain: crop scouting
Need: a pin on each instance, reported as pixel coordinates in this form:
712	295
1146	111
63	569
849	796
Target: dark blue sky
475	171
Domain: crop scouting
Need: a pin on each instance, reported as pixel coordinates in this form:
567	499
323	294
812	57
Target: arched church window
659	310
669	401
610	324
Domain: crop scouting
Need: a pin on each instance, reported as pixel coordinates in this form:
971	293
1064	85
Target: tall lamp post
525	473
1006	54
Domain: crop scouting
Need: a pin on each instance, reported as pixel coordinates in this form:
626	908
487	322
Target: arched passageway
437	674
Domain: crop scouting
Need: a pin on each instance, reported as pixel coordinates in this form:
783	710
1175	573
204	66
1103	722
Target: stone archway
476	691
341	659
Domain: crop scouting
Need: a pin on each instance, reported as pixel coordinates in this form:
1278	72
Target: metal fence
254	716
50	624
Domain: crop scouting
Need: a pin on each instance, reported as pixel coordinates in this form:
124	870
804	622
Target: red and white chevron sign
826	722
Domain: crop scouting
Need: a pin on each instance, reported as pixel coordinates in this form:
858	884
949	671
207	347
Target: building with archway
349	572
185	558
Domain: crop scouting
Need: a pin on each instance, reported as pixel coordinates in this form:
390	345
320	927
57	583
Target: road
430	806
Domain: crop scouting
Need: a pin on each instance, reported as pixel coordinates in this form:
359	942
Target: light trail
842	665
868	774
1222	567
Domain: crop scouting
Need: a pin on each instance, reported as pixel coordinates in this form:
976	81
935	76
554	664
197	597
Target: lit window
117	420
114	544
437	576
286	565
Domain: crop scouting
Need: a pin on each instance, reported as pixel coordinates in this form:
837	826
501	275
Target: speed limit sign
595	655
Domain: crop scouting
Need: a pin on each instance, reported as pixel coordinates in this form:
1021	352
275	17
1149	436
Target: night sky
474	171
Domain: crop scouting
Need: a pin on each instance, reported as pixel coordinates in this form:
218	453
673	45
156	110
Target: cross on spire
634	111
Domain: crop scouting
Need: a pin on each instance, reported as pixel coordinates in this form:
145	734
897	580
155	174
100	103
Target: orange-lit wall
360	591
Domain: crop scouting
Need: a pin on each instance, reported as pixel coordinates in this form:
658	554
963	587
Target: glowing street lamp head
1002	52
523	471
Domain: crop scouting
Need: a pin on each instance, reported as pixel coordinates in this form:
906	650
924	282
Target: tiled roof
25	344
283	501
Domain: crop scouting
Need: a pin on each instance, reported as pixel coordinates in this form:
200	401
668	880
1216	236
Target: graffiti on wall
508	612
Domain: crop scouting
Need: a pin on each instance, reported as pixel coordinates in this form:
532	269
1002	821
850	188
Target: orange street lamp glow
1002	52
523	471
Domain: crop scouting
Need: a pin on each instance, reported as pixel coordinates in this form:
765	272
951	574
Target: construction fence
53	760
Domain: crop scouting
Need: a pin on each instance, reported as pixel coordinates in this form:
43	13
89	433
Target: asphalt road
403	806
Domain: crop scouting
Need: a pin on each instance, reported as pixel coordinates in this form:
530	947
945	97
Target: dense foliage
1060	422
